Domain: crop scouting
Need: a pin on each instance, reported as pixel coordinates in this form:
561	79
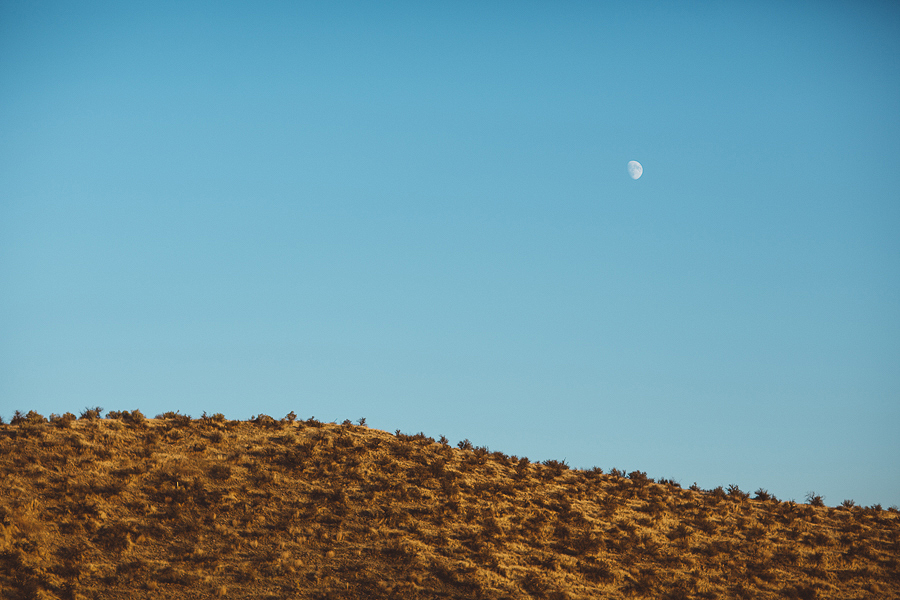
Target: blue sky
419	213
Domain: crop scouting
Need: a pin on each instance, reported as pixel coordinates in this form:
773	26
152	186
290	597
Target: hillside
129	507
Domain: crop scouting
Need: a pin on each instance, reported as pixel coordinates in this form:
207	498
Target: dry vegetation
128	507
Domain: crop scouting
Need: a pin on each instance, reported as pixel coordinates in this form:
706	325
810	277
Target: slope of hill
172	507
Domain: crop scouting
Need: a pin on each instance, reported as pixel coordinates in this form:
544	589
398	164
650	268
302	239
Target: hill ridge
201	508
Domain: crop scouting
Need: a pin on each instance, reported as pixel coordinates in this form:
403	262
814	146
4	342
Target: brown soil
180	508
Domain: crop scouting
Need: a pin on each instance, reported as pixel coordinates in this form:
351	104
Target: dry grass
209	508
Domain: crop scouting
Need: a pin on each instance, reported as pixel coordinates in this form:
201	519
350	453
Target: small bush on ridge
91	414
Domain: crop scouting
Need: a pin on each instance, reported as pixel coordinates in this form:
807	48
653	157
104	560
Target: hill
174	507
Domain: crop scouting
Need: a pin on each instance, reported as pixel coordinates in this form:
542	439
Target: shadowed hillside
128	507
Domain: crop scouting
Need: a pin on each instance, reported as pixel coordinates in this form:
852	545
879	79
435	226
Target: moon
635	170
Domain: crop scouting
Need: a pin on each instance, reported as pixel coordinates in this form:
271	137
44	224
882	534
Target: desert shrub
593	472
134	417
718	493
465	445
419	437
817	539
91	414
534	583
639	478
65	421
264	420
216	418
802	592
785	555
31	418
681	532
556	467
500	457
848	503
521	468
642	583
814	499
596	571
175	418
735	493
762	495
616	472
220	472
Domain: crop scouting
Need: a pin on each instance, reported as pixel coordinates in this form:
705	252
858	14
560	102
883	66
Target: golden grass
208	508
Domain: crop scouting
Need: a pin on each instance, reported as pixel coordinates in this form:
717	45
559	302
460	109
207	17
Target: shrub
535	584
735	492
639	478
500	457
465	445
848	503
361	422
718	493
556	467
643	583
216	418
814	499
785	555
136	417
220	472
264	420
444	441
176	416
596	571
32	418
419	437
91	414
521	468
65	421
762	495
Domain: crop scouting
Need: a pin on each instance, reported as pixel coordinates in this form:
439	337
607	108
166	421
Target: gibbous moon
635	170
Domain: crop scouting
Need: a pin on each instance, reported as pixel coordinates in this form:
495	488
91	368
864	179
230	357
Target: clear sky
419	213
